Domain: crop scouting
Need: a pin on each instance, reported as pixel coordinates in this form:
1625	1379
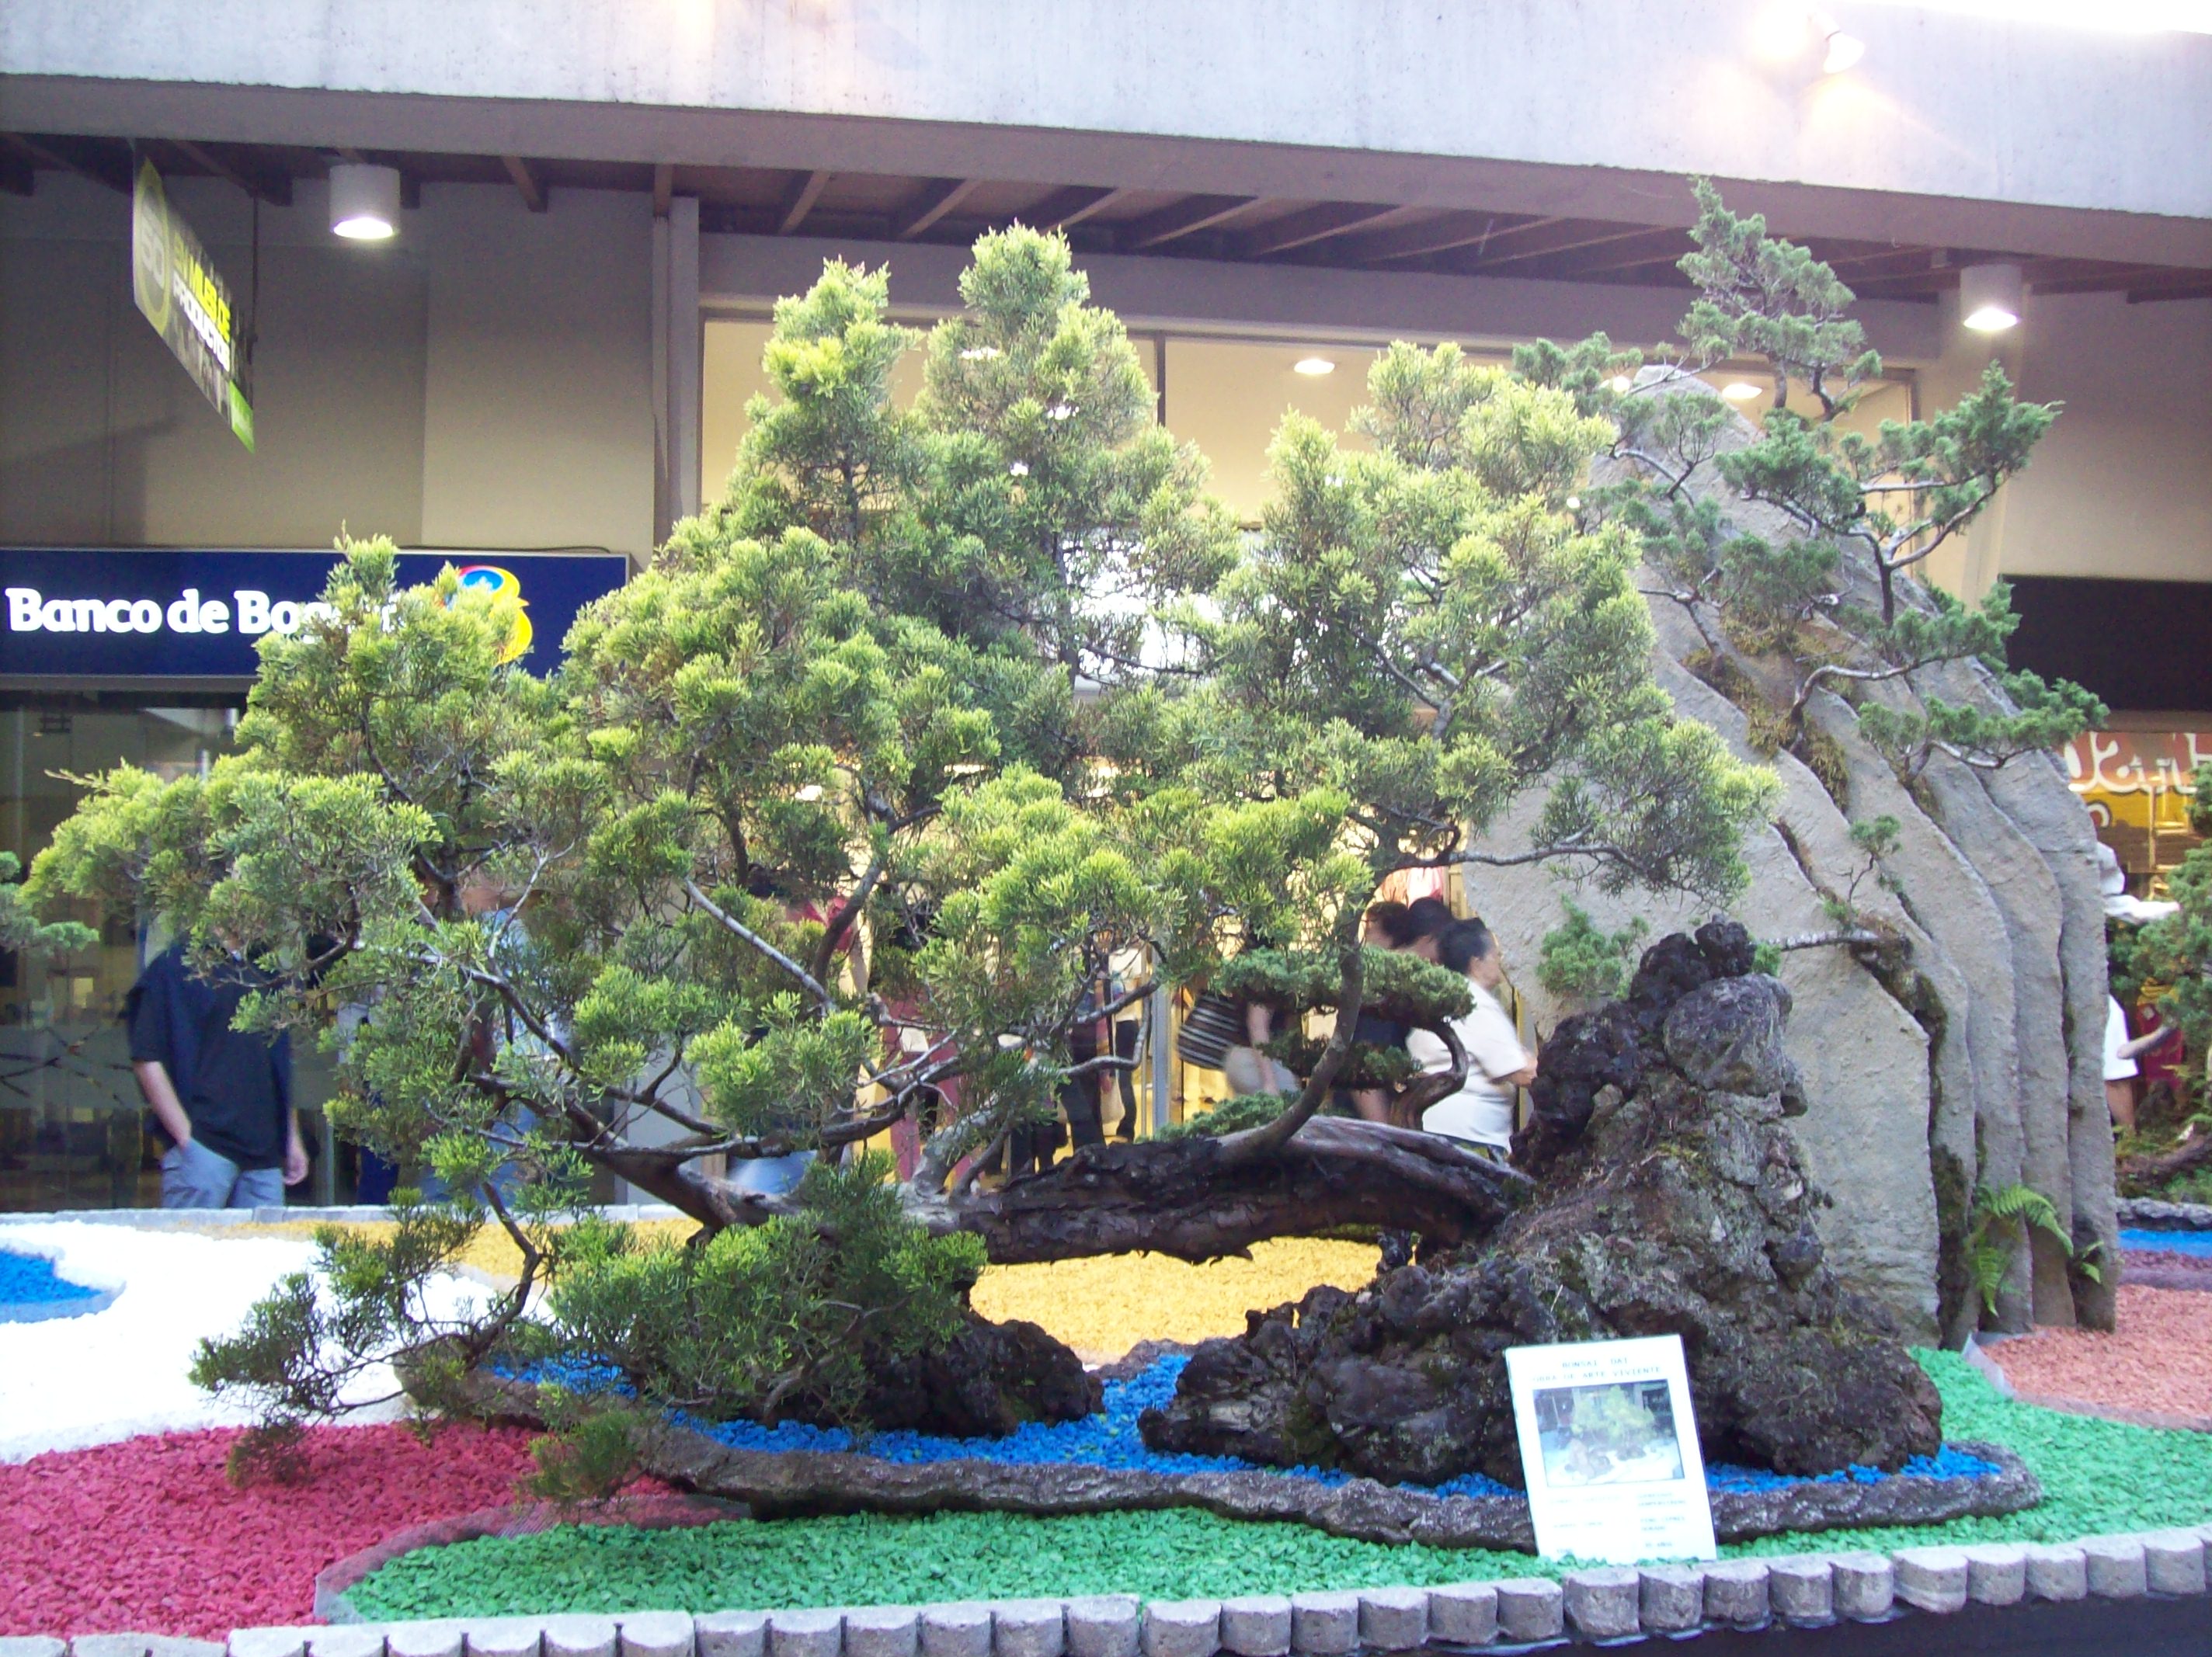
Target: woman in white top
1481	1112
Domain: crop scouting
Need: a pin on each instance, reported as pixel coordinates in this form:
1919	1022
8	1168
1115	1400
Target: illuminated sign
92	613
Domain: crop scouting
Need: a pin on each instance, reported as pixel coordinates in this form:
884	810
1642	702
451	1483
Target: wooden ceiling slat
2149	295
940	197
1568	236
1307	225
98	160
805	192
1179	219
1070	206
664	188
1653	247
272	187
1440	234
526	182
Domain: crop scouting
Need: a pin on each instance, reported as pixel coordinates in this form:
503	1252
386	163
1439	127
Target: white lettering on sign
30	610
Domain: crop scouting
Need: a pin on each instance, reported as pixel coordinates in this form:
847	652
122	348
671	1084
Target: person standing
222	1096
1481	1112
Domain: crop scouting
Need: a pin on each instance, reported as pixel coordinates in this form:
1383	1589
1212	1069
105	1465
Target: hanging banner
189	305
86	613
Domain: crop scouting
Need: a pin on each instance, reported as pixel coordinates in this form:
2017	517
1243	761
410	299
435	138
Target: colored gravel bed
1103	1307
2198	1243
2157	1362
69	1382
31	1291
2099	1476
149	1536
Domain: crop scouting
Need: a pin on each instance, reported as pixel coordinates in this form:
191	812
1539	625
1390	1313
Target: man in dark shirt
223	1096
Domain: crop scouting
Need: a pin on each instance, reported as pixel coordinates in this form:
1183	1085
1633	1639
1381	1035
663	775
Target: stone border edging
1601	1603
2155	1212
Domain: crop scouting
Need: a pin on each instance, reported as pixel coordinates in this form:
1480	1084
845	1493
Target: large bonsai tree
834	816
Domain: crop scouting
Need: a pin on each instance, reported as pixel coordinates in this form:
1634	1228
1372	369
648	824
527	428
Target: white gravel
69	1382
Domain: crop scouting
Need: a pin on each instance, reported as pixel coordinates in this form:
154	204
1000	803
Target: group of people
1480	1112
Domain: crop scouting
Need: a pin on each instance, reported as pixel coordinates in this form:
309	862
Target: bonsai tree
833	817
1776	619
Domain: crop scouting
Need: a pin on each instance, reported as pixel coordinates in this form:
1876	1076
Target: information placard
1609	1446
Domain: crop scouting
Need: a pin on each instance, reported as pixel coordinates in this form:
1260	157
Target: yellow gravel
1101	1308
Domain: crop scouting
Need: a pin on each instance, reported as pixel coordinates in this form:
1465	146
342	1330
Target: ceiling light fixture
1989	297
1843	50
1314	366
1740	390
364	201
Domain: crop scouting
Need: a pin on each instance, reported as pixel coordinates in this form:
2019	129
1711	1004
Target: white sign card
1610	1447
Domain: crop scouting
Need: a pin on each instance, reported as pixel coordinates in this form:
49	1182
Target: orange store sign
2135	761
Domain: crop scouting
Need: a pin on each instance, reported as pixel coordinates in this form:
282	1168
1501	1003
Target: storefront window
70	1109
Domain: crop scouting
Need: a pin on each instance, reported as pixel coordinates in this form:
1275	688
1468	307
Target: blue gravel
1109	1439
30	1280
2172	1242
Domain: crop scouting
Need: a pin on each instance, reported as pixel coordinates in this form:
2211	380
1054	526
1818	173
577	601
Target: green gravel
2098	1476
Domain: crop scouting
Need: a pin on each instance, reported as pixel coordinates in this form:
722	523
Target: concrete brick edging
1605	1604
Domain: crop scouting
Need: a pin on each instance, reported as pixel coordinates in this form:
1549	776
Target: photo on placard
1619	1433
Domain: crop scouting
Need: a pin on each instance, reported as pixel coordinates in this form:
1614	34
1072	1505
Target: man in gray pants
222	1096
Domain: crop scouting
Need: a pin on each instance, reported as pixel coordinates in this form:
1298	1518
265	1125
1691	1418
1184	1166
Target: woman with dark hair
1481	1112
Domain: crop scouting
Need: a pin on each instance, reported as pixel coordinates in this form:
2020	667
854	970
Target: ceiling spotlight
1740	390
1989	297
1843	50
364	201
1314	365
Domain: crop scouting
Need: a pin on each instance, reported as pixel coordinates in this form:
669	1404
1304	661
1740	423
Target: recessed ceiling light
364	201
1740	390
1314	365
1989	297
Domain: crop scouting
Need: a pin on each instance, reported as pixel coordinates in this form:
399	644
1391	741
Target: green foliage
781	1322
1996	1234
1773	298
1245	1110
1582	961
811	831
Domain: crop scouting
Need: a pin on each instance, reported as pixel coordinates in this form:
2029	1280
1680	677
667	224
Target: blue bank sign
98	613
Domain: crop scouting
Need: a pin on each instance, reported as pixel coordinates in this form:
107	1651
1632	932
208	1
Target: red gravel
147	1536
2157	1363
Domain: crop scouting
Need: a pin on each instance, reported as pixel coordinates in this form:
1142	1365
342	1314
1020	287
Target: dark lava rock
987	1382
1666	1204
1726	1035
1587	1055
1727	948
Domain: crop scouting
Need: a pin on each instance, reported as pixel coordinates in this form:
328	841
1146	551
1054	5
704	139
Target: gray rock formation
1966	1052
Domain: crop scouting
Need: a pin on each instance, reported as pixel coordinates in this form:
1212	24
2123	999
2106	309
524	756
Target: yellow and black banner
188	304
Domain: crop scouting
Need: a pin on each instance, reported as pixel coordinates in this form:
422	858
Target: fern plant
1992	1241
